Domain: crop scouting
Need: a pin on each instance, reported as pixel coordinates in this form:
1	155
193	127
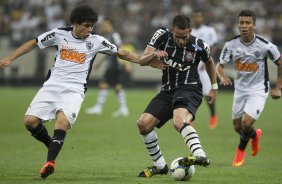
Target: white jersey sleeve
226	54
47	39
107	47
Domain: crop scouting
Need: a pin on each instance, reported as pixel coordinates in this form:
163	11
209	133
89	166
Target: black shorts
163	104
112	76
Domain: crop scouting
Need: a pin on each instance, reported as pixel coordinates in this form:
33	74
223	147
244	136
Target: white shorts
205	79
53	98
251	103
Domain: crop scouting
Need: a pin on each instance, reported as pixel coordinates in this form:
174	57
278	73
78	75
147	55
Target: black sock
56	144
40	133
244	138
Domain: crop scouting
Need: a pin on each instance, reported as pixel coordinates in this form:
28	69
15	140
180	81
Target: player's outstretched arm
276	92
153	58
24	48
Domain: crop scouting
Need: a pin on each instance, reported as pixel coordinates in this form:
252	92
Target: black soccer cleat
153	170
190	160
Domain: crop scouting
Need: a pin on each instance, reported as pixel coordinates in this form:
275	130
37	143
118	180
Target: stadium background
135	20
104	149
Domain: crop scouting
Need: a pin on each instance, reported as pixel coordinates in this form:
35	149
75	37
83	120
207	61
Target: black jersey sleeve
159	38
205	51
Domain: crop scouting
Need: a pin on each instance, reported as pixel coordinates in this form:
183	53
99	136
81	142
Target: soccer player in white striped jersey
62	94
208	34
248	53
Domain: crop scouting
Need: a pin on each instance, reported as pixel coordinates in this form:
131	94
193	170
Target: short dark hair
83	13
181	21
248	13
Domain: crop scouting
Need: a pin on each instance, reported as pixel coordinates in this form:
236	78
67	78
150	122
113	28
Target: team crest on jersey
257	53
189	56
89	45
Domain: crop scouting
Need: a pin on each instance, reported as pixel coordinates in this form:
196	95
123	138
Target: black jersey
183	62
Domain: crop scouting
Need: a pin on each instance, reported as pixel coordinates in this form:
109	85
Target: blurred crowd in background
136	20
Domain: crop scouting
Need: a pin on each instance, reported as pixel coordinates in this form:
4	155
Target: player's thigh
161	108
188	97
70	103
43	105
239	101
255	104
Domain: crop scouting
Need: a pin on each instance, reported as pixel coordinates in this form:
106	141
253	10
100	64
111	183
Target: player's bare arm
23	49
224	80
210	67
153	58
276	92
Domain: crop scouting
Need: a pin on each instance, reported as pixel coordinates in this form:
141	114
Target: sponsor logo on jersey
246	67
89	45
176	65
48	37
72	56
107	45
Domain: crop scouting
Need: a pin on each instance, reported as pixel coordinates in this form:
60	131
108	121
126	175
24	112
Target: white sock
151	143
191	139
101	99
121	99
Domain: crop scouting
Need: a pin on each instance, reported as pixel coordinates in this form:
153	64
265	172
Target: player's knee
62	124
31	122
143	126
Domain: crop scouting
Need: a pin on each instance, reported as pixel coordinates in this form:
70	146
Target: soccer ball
181	173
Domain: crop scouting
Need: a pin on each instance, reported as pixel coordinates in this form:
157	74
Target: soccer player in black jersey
181	92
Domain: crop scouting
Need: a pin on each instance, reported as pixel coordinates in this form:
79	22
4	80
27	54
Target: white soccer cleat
96	110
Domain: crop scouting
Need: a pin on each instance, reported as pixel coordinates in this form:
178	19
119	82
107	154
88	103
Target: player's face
83	30
246	26
181	36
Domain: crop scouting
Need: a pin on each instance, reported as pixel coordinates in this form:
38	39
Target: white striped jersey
250	62
74	57
206	33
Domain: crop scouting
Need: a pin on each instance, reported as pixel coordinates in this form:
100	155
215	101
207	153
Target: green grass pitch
110	150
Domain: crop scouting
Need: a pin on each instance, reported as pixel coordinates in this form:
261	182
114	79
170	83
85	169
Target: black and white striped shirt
183	62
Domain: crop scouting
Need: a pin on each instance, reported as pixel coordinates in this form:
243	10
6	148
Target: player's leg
61	127
156	114
186	101
34	125
181	119
103	92
121	99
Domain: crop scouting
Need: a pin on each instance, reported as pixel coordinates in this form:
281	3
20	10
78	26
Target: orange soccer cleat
213	122
239	158
255	142
47	169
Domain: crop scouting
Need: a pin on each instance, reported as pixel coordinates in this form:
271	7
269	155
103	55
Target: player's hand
158	64
225	81
5	62
275	93
160	54
212	96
